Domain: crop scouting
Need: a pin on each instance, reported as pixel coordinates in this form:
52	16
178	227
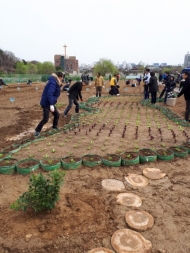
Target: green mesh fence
22	78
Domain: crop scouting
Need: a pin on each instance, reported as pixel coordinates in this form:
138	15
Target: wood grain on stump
129	199
129	241
139	220
100	250
153	173
136	180
113	185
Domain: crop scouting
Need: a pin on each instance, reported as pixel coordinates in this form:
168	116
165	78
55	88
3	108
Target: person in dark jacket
73	94
49	98
186	92
169	87
165	81
114	90
160	78
153	87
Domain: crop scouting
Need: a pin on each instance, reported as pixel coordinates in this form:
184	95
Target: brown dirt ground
87	215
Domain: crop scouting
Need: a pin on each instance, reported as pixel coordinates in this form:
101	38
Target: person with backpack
49	98
74	93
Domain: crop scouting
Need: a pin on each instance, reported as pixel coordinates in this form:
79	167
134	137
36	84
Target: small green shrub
43	193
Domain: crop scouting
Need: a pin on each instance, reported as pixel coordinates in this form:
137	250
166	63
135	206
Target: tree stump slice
129	199
135	180
100	250
153	173
139	220
129	241
113	185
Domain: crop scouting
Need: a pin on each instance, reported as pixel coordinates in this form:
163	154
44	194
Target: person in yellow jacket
99	83
113	81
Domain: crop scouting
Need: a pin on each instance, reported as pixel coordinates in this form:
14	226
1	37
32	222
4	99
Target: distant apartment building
187	60
163	64
69	64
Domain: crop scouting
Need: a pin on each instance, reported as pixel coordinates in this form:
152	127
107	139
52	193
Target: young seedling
53	150
46	156
49	144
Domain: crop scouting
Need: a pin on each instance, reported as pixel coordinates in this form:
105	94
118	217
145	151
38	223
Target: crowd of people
52	92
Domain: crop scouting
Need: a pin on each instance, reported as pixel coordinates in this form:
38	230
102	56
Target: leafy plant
42	194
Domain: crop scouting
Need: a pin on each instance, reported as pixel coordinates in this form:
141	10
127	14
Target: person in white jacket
146	80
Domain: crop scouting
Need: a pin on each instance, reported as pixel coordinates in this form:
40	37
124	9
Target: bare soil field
87	214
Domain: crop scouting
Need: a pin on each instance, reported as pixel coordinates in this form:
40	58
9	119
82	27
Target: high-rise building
187	60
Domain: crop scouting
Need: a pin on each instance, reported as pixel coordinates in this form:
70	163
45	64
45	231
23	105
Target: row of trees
9	63
34	68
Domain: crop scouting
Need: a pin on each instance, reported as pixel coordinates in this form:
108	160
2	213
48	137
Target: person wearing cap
146	80
186	92
74	94
49	98
99	83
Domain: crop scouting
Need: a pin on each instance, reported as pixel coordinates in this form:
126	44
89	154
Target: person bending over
73	95
49	98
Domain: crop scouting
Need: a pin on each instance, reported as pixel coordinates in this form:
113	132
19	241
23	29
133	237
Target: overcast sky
132	30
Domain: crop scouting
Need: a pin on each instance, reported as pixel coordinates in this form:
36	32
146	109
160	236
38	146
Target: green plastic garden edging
4	155
177	153
187	146
91	162
49	167
129	161
28	169
165	157
71	165
147	158
8	169
110	162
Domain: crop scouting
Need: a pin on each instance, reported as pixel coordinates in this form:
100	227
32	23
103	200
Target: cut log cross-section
139	220
153	173
129	199
100	250
113	185
135	180
129	241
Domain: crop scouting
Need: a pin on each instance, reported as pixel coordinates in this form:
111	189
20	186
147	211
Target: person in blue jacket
49	98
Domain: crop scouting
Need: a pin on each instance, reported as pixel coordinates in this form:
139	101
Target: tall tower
65	50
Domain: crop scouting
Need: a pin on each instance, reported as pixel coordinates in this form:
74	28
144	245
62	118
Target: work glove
52	109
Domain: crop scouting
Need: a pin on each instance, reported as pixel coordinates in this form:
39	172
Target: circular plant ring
136	180
100	250
129	199
129	241
113	185
139	220
153	173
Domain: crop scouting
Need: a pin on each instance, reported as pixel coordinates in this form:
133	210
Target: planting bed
89	215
